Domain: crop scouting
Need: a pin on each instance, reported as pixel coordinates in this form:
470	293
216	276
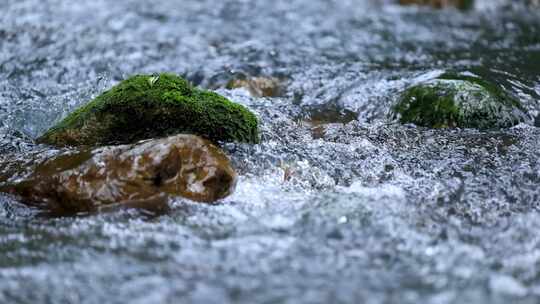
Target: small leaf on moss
153	79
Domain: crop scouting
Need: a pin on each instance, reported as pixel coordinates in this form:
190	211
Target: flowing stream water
336	205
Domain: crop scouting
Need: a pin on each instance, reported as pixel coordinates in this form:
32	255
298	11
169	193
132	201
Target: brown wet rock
141	175
328	115
259	86
318	118
461	4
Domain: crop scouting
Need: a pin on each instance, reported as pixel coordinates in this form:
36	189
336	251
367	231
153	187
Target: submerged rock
141	175
461	4
452	100
146	106
258	86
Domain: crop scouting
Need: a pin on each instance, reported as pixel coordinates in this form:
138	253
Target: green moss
149	106
455	100
466	4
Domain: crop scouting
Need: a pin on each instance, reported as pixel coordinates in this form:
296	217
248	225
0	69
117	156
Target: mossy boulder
149	106
458	101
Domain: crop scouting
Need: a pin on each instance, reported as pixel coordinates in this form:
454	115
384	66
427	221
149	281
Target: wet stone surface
330	206
143	175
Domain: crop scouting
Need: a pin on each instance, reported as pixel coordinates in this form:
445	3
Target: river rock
151	106
458	101
141	174
461	4
258	86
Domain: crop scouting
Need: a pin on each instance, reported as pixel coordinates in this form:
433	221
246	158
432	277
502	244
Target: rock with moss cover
458	101
149	106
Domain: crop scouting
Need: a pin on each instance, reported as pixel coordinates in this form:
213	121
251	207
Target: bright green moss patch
149	106
453	100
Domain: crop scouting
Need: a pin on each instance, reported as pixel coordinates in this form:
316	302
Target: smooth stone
142	174
460	4
259	86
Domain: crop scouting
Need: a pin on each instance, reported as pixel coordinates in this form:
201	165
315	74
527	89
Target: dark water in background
373	212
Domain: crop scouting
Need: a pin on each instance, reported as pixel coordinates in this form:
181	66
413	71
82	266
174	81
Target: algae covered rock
141	175
458	101
149	106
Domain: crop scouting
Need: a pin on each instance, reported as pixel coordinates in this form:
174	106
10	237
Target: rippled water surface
336	205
